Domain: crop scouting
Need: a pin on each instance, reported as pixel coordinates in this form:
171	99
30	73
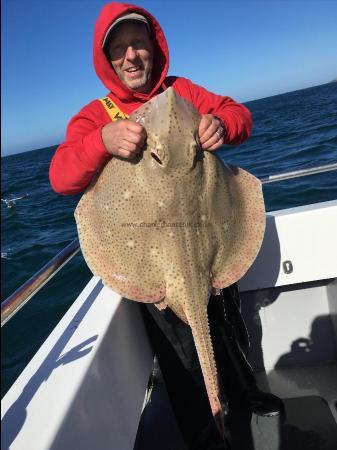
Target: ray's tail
201	333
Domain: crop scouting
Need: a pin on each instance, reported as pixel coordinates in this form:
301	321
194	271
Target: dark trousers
173	344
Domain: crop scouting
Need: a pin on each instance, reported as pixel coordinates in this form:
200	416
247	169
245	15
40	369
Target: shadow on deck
309	425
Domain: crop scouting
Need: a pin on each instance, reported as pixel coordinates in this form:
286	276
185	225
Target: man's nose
130	52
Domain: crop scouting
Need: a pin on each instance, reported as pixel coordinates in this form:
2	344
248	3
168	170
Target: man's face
131	54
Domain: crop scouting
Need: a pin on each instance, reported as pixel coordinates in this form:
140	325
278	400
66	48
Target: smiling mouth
133	69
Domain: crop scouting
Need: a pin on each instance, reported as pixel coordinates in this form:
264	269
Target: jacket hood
104	70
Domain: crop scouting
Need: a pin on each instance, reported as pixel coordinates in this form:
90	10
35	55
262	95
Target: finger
135	127
125	154
215	138
140	132
209	132
210	142
205	122
130	146
135	138
217	145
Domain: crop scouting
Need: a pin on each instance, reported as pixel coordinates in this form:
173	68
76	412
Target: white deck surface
290	382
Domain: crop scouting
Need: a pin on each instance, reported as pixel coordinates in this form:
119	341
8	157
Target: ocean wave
12	200
6	255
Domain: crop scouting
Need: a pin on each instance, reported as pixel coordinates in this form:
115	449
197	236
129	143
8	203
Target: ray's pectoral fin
243	227
198	321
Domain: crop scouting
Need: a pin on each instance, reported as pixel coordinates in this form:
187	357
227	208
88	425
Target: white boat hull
86	385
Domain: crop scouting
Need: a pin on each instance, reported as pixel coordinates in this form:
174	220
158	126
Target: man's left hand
211	132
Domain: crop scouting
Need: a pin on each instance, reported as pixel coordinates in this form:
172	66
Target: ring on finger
219	132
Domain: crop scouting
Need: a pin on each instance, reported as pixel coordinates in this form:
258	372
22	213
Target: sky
245	49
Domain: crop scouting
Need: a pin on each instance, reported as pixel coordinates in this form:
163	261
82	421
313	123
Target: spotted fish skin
169	225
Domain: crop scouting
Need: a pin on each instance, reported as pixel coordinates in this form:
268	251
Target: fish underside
173	223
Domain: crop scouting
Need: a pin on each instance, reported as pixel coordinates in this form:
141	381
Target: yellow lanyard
112	109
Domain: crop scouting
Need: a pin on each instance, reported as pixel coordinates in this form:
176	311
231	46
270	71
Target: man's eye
139	42
116	51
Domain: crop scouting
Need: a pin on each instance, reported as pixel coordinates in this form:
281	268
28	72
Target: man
131	58
134	70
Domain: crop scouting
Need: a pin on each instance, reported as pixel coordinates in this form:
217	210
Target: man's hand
211	132
124	138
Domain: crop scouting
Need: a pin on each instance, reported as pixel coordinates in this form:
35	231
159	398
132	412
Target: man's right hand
124	138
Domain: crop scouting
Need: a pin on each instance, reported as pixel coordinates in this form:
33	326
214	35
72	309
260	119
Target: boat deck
309	394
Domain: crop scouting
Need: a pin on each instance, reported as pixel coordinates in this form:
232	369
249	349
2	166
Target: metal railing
21	296
299	173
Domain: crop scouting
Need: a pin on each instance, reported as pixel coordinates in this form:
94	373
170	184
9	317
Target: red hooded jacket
77	160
